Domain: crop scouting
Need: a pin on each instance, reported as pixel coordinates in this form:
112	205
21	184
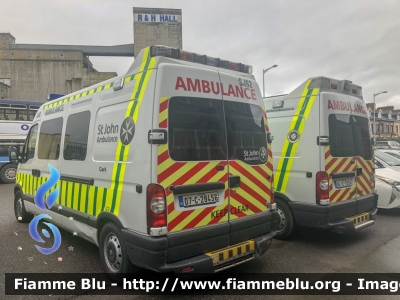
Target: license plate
343	183
198	199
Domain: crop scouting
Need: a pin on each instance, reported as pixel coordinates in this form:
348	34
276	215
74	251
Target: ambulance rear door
192	165
341	127
249	157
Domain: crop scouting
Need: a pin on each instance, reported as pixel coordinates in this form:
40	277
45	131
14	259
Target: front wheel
8	173
19	209
113	253
286	225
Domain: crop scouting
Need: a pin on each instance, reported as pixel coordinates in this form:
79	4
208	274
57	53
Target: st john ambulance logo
263	154
293	136
127	131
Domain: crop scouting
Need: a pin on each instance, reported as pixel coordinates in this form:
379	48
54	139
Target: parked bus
15	120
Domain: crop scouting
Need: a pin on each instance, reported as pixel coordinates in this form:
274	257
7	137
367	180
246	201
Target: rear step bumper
342	217
142	251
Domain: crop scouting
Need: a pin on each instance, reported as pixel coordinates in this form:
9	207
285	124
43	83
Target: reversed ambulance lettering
207	87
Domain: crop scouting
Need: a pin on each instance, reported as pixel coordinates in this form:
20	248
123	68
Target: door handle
234	182
36	172
359	171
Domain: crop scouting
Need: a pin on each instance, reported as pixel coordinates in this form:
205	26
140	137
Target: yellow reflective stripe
298	120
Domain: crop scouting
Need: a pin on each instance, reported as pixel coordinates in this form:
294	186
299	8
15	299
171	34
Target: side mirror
13	155
374	141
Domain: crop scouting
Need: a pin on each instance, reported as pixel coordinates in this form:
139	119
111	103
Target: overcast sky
357	40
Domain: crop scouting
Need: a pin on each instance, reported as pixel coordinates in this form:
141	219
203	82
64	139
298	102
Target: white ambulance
323	157
168	167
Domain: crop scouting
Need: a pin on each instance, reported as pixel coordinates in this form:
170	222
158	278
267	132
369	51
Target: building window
76	136
50	139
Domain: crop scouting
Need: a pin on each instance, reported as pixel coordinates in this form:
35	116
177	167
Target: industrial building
32	71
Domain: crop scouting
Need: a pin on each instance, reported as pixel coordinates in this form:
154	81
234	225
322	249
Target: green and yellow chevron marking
289	149
85	93
141	80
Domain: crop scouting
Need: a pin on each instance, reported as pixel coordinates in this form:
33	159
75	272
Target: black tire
21	214
113	253
286	226
8	173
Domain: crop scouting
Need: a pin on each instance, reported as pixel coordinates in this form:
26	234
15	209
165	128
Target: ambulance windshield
349	136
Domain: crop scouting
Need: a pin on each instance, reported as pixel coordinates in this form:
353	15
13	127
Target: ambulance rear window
245	128
196	129
349	136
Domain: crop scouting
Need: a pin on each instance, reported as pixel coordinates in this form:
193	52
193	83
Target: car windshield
390	160
393	154
381	143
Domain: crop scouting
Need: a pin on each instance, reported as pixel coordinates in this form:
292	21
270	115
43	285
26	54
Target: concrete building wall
4	91
33	74
156	26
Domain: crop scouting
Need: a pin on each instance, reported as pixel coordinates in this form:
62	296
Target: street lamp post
374	110
264	71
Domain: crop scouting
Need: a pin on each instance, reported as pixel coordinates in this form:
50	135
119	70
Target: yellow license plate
359	218
232	252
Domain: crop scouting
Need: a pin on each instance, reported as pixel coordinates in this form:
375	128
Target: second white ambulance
323	157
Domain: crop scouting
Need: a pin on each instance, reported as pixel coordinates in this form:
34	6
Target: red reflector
186	56
269	241
220	167
186	269
341	226
233	66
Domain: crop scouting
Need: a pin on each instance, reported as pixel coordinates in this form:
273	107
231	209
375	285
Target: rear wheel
113	253
286	226
8	173
19	209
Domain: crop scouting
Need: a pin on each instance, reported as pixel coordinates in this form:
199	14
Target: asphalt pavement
373	249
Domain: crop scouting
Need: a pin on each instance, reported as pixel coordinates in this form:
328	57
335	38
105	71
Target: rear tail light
322	187
156	206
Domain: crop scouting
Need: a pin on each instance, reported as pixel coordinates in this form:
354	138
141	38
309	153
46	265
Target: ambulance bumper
342	217
152	253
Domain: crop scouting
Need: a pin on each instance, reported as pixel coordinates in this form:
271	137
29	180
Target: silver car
387	145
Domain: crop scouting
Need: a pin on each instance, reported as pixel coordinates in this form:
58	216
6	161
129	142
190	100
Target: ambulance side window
31	142
50	139
196	129
76	136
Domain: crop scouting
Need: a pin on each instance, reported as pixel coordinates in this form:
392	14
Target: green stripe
87	198
66	193
95	201
289	149
73	194
60	194
79	197
131	113
116	187
104	200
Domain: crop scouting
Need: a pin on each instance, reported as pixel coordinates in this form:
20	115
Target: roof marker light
199	58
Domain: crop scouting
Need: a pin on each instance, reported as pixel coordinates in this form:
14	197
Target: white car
394	153
387	183
387	160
